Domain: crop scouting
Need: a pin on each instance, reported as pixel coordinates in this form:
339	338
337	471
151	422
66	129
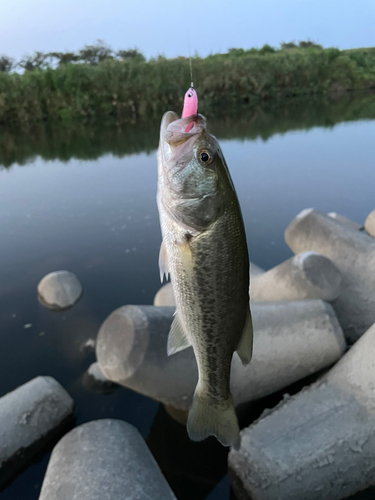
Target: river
83	199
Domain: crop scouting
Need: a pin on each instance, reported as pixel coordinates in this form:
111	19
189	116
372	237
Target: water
84	200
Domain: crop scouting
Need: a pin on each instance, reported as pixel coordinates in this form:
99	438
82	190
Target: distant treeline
98	85
53	141
90	54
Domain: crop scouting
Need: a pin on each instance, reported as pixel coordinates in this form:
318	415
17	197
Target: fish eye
205	156
190	94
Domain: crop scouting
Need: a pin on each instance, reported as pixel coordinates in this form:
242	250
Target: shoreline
127	92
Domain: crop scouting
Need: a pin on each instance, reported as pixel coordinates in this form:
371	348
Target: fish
204	250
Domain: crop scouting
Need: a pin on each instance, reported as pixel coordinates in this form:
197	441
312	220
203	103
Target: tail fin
212	418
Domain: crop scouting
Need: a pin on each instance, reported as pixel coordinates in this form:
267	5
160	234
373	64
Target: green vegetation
53	141
97	85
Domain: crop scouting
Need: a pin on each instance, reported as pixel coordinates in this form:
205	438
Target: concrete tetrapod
291	340
370	224
164	296
353	252
59	290
104	459
319	444
31	416
308	275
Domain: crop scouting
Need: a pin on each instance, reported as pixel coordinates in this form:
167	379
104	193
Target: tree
131	54
64	57
36	61
308	44
236	52
6	64
289	45
94	54
267	49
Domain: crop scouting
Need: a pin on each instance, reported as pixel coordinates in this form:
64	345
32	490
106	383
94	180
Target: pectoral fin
245	346
186	255
163	263
177	339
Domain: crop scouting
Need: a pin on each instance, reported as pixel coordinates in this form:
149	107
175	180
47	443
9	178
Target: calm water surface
98	219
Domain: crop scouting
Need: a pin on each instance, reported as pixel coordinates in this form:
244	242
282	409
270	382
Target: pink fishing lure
190	106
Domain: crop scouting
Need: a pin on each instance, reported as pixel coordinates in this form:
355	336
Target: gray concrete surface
319	444
353	253
291	340
308	275
104	460
59	290
31	416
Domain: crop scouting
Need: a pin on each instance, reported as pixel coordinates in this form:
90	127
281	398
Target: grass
126	92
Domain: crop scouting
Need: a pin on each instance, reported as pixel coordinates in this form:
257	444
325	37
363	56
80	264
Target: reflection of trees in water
88	142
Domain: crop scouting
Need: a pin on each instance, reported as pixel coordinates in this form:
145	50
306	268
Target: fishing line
191	67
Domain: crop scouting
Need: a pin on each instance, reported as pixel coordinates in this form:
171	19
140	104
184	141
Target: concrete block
59	290
318	444
104	460
308	275
31	416
291	340
353	253
370	224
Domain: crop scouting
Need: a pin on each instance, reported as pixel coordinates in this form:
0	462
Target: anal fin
245	345
163	263
177	339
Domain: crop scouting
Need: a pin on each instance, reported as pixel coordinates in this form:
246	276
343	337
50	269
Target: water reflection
85	142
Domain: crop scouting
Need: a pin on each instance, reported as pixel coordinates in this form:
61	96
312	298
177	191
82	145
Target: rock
345	220
31	416
308	275
319	444
164	296
104	460
59	290
370	224
353	253
94	380
291	340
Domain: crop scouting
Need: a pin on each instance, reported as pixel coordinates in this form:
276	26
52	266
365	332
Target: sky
168	27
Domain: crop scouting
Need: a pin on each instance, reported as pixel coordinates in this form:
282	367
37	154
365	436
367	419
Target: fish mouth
175	130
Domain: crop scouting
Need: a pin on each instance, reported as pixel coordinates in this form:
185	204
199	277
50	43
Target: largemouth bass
205	252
